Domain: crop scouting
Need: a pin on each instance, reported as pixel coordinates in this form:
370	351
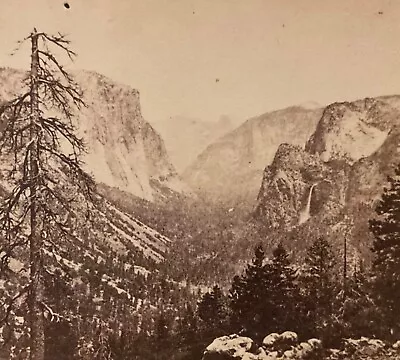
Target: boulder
270	340
229	347
289	354
310	349
396	345
289	336
315	343
250	356
285	341
275	346
305	347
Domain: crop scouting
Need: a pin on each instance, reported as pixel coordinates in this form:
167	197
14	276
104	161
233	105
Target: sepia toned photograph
199	180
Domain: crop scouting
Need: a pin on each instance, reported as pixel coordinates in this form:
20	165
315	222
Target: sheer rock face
354	130
295	178
124	151
116	136
230	170
344	166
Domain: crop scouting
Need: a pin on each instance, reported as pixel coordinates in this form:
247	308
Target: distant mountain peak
186	136
231	168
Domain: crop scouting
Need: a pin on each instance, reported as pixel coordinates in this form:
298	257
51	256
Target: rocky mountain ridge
124	150
230	170
354	130
329	188
98	237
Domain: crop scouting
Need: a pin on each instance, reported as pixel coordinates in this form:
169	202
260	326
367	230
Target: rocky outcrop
286	346
353	131
330	187
229	347
274	347
299	184
365	348
124	150
231	169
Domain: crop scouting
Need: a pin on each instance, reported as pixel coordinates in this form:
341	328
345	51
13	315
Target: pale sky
267	54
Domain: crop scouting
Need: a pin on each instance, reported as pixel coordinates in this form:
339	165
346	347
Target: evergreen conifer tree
188	331
283	296
212	310
320	285
361	316
266	297
386	246
247	295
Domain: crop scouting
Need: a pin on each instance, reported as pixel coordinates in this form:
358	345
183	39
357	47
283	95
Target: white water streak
305	213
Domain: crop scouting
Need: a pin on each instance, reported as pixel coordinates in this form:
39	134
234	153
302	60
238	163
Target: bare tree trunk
344	275
36	285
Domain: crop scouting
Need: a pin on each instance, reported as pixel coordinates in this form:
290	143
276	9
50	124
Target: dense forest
318	297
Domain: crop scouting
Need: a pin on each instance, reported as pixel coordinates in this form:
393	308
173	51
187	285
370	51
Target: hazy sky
265	54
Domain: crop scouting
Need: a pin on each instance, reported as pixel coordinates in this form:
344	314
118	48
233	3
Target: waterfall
305	213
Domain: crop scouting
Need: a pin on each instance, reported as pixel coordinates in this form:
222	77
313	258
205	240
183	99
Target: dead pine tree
46	185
